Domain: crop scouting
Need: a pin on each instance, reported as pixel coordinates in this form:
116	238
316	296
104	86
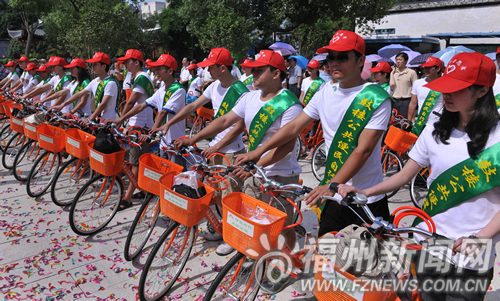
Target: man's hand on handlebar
179	143
344	190
242	174
244	158
314	196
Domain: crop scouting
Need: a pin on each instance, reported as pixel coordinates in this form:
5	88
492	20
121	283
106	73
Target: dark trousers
336	217
402	105
293	88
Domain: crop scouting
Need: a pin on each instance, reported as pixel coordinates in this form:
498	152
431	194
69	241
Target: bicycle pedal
300	230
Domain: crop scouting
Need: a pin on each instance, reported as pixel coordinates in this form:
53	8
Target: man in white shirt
295	77
236	73
184	72
23	63
194	84
354	116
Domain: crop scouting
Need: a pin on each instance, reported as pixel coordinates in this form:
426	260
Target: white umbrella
284	48
320	57
446	54
373	57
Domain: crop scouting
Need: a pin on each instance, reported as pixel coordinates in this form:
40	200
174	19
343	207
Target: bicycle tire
25	160
43	173
418	187
70	178
162	275
318	162
218	290
89	196
197	127
5	133
391	165
298	145
12	149
142	227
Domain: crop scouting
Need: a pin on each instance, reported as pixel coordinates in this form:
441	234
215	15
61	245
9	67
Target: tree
9	19
30	11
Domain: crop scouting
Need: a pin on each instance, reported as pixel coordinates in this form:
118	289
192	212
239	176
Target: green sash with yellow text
425	112
145	83
80	87
497	100
313	88
248	81
169	92
463	181
61	82
100	90
268	114
354	121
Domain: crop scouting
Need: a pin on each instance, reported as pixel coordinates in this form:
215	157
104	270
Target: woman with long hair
463	150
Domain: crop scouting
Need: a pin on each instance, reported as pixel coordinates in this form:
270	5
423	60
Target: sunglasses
341	58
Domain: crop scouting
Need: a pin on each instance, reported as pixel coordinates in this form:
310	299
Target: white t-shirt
330	106
53	82
14	77
216	93
111	89
86	108
40	84
207	77
472	215
247	107
144	118
185	75
421	92
25	78
127	81
199	71
235	72
67	86
243	78
33	82
496	86
195	84
306	83
174	105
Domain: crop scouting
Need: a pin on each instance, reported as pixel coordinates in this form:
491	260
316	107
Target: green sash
125	74
47	80
63	80
191	80
385	86
100	90
354	121
80	87
425	112
14	73
37	78
248	80
313	88
497	100
267	115
232	95
169	92
145	83
463	181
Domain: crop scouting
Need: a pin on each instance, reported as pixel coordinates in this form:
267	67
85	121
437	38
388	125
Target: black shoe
276	282
123	205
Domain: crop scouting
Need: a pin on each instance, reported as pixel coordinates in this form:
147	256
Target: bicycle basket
151	168
399	140
8	106
334	283
51	138
244	234
182	209
105	164
205	113
30	130
16	124
77	143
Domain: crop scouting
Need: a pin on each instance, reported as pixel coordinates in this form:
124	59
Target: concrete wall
4	44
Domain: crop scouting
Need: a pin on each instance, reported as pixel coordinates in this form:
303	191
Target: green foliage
15	49
10	18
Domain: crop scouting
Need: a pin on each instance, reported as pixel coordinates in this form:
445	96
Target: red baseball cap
267	57
464	70
247	61
77	63
498	50
100	57
344	40
31	66
433	61
165	60
192	66
381	67
132	54
43	68
56	61
10	64
313	64
23	59
219	56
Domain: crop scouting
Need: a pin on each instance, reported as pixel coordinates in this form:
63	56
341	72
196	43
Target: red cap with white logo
219	56
23	59
132	54
313	64
43	68
56	61
100	57
192	66
344	40
433	61
10	64
267	58
77	63
31	66
464	70
381	67
165	60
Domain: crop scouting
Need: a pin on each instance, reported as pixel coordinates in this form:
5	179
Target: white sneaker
224	249
213	236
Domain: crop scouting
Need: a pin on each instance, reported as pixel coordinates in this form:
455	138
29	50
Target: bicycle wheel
95	204
233	280
5	134
43	173
166	261
197	127
12	149
142	227
69	180
25	160
418	187
318	161
298	145
391	165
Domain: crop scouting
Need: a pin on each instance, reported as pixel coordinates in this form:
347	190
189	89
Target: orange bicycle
205	116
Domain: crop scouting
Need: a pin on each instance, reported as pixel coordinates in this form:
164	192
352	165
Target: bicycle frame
315	139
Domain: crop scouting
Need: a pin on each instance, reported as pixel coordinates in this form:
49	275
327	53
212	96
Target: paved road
41	258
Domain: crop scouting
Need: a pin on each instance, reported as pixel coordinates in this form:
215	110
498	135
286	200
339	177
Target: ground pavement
42	259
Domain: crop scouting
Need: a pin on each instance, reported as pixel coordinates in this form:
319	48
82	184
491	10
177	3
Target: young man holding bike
354	116
224	94
264	112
